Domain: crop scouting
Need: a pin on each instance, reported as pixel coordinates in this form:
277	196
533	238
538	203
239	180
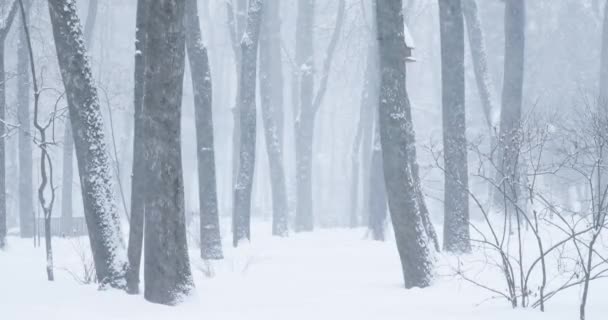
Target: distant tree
512	95
604	62
90	141
9	10
456	236
26	188
167	273
309	103
68	141
247	114
138	186
211	242
412	241
271	92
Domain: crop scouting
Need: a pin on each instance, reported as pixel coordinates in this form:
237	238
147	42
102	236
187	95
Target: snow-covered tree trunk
304	124
88	131
167	274
456	236
412	241
271	91
138	186
247	87
211	242
26	188
10	8
512	92
68	141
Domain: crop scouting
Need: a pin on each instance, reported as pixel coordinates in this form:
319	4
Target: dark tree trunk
271	91
167	274
211	242
5	25
247	85
26	189
456	197
512	92
305	115
68	141
93	162
138	187
395	134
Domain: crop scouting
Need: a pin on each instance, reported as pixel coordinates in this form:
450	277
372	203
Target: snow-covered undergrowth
327	274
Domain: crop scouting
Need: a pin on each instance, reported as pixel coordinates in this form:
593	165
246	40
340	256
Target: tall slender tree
271	92
247	85
26	189
68	141
100	209
456	198
167	273
138	186
211	242
603	94
512	96
412	241
309	103
9	10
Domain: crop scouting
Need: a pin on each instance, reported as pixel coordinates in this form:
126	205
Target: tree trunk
211	242
480	62
68	141
304	124
138	186
456	197
26	189
93	162
512	92
411	239
271	91
5	25
242	190
167	274
377	197
603	97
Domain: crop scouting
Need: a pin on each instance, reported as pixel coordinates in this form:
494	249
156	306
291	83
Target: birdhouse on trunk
409	45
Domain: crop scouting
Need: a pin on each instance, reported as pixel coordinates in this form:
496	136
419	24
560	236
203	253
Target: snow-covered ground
327	274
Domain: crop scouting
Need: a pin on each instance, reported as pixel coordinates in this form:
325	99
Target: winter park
304	159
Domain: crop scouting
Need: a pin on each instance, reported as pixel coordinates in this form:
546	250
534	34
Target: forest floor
327	274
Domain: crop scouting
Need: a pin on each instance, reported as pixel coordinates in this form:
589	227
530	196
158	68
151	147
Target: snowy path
328	274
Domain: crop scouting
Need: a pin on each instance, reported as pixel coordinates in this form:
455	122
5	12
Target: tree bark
211	242
456	198
138	187
68	141
26	188
167	274
271	91
93	162
242	190
395	133
5	25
